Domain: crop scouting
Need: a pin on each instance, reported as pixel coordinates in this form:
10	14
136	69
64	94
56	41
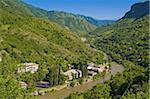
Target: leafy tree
9	88
72	84
81	81
98	92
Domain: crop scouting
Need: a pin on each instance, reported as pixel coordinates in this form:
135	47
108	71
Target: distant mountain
77	23
138	10
97	22
72	21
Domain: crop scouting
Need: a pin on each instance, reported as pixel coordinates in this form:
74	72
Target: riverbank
60	94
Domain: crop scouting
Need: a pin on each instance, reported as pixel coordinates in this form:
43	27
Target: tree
41	74
81	81
72	84
100	91
75	96
10	89
54	76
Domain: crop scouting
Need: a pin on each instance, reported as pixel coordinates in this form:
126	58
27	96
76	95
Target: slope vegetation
31	39
67	20
127	39
26	38
126	42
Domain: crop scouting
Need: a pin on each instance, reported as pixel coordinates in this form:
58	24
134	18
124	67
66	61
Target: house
93	69
73	73
27	67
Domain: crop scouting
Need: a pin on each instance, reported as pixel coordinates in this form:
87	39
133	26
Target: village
71	74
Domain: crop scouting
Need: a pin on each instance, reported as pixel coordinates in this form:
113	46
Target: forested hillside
126	42
25	38
51	40
67	20
72	21
20	36
128	38
138	10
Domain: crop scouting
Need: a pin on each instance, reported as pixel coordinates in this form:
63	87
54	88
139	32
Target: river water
60	94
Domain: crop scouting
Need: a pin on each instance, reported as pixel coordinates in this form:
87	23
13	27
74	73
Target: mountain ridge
138	10
70	21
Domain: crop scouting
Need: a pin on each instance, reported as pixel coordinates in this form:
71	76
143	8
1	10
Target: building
93	69
27	67
73	73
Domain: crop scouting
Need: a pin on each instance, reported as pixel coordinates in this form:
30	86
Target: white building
28	67
97	68
93	69
73	72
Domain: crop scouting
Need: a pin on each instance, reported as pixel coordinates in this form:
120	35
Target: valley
50	54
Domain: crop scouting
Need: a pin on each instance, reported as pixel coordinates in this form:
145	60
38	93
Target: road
60	94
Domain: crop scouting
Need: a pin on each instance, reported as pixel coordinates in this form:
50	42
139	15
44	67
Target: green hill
127	39
72	21
27	38
126	42
67	20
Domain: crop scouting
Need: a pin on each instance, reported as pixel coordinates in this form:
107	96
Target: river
60	94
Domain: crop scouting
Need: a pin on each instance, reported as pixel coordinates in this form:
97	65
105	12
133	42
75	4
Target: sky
99	9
